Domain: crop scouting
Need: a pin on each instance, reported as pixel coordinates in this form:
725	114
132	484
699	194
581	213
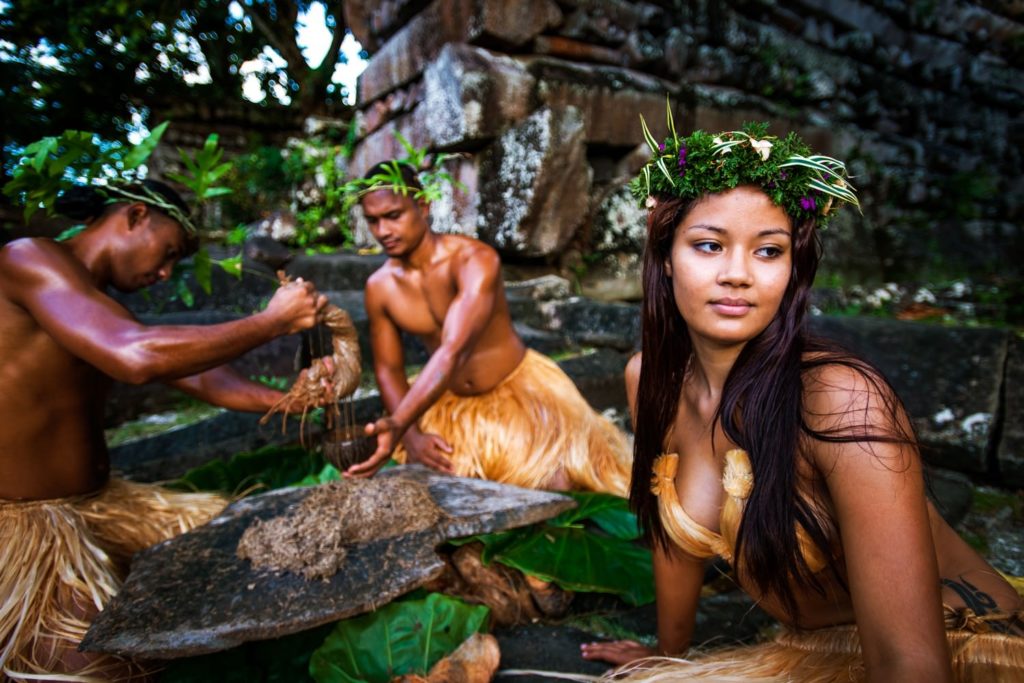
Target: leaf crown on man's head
418	175
805	185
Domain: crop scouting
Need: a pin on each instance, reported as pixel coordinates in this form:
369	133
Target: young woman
788	457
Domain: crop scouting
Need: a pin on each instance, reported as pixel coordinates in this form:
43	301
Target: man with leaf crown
69	528
483	405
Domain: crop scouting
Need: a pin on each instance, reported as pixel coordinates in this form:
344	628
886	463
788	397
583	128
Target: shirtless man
62	342
483	405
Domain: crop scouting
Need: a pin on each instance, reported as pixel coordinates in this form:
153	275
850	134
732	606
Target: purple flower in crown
682	157
661	147
808	204
782	175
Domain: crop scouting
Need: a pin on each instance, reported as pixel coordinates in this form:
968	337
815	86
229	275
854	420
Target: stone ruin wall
541	97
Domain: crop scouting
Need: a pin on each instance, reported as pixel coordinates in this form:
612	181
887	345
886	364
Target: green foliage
50	165
405	636
269	467
306	176
589	549
105	64
204	169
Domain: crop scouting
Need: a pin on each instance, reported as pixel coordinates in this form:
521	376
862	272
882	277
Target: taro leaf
581	560
407	636
328	474
577	556
266	468
609	512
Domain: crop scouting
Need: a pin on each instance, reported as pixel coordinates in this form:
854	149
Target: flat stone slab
192	595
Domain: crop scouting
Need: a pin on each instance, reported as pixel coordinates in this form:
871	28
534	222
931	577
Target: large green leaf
138	154
589	548
579	559
267	468
609	512
407	636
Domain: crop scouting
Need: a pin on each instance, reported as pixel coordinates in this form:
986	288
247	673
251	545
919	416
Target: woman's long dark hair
761	411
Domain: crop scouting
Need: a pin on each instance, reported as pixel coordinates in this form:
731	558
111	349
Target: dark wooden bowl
348	446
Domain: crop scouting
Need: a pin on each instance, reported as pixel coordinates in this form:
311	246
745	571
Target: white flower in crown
719	141
651	202
762	147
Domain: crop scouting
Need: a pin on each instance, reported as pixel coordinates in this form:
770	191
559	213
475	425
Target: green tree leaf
203	272
140	152
407	636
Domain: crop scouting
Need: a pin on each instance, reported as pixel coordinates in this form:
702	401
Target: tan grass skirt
529	428
62	560
986	649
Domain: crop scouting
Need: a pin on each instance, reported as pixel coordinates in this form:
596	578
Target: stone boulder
471	94
949	378
1010	451
405	55
595	323
534	184
339	271
611	99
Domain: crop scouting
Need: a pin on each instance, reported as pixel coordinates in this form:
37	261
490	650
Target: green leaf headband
390	177
803	184
120	191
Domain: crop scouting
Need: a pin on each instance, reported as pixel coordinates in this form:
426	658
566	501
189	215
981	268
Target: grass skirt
986	649
529	427
61	561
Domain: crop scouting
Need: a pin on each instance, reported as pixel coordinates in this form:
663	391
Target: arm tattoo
976	599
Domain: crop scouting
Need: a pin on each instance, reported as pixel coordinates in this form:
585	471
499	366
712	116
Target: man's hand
617	652
428	449
295	306
388	434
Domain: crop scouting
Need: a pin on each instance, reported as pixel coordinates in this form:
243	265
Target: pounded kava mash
310	539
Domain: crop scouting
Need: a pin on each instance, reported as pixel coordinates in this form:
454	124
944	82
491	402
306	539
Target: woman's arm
877	489
678	578
677	582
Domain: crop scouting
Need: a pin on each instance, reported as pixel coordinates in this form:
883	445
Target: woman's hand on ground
616	652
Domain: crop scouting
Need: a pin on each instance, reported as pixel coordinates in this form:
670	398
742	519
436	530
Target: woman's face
730	265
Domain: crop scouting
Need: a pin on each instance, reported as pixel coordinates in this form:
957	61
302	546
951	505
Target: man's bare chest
419	306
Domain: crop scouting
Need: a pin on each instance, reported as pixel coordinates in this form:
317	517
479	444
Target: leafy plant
589	549
52	164
265	468
405	636
204	169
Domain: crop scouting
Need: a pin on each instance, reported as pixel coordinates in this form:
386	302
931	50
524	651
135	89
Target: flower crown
803	184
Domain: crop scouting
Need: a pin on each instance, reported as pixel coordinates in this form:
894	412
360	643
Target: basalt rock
949	379
406	54
193	595
1010	452
533	181
471	94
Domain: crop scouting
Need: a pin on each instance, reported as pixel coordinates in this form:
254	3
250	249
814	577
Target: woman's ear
667	266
